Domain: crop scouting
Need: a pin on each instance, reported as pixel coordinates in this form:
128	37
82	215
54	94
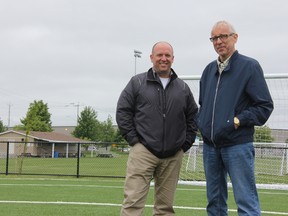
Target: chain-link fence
109	160
63	159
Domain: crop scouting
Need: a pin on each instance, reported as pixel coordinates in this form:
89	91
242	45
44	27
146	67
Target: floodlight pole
137	54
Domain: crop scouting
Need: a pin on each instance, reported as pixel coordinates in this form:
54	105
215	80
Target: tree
118	137
37	118
88	125
263	134
2	127
107	131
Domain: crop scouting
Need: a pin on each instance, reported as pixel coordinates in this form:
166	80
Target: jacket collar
152	76
232	58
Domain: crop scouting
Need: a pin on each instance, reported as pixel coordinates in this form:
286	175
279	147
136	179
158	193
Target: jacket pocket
205	130
224	134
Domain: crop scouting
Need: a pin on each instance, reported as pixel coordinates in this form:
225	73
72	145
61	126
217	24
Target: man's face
225	44
162	57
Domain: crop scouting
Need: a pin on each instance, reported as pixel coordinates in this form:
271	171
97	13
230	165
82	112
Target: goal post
271	144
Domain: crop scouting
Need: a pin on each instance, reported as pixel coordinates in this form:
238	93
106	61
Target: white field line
118	205
120	187
180	182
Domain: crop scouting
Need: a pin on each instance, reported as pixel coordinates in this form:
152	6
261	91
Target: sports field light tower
137	54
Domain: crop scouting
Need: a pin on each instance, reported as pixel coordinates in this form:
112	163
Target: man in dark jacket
156	114
234	97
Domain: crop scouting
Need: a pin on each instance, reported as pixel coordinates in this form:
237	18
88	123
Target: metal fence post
78	160
286	149
7	158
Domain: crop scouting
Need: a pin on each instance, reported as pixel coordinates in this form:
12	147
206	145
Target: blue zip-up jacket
163	120
240	91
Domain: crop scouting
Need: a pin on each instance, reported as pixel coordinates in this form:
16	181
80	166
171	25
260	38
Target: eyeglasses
222	37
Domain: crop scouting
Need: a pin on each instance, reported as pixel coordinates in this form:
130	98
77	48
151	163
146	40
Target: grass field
67	196
116	167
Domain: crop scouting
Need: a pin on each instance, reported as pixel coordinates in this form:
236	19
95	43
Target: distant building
39	144
68	130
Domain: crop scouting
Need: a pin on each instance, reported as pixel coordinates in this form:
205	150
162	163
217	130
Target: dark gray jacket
240	91
164	121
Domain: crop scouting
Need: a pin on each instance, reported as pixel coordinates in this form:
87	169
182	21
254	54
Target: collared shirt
222	65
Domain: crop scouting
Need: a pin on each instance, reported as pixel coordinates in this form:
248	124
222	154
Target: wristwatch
236	122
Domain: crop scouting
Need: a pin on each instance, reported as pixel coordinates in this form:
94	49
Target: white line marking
118	205
121	187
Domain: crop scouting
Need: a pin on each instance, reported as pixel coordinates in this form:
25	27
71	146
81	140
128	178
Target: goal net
270	140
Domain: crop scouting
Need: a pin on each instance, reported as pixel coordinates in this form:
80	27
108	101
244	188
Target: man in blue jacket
234	97
156	113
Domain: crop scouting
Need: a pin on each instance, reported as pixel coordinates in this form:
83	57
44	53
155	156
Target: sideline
152	185
121	187
118	205
180	182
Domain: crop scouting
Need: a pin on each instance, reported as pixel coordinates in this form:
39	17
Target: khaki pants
142	166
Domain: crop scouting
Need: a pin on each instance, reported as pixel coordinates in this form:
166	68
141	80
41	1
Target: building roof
49	136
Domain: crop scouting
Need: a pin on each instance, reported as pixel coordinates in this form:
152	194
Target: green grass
68	196
67	166
116	167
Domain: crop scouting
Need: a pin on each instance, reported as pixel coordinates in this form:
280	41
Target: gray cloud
72	51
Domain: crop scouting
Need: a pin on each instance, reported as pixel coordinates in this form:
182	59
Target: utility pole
9	111
76	105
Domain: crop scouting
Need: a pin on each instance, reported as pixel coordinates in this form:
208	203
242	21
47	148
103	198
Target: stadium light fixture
137	54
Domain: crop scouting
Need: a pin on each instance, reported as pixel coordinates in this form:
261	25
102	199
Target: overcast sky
80	52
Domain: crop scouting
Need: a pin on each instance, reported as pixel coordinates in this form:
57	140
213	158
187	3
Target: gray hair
223	22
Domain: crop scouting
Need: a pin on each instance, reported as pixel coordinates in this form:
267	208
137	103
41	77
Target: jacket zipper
164	116
213	111
162	100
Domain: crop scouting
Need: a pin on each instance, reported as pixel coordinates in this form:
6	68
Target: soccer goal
270	140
